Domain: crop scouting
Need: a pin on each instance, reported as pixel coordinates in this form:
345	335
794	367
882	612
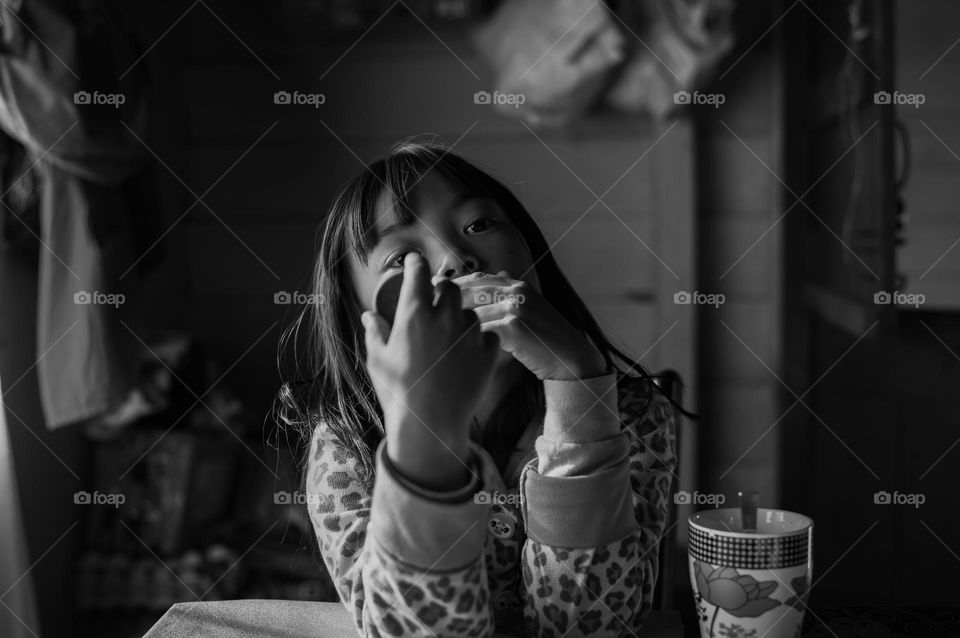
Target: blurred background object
550	59
554	60
82	183
677	47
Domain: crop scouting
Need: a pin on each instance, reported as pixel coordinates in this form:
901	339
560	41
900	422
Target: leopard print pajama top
567	545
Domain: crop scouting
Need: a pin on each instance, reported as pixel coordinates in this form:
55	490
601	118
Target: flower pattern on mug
736	631
739	595
799	599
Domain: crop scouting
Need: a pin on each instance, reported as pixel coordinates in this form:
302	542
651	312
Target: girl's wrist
586	366
438	473
428	461
423	434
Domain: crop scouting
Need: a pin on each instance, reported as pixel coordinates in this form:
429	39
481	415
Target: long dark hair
330	383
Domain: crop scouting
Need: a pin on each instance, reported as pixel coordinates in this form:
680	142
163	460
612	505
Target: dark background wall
927	63
879	408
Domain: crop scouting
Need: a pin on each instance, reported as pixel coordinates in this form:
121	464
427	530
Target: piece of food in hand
473	295
387	294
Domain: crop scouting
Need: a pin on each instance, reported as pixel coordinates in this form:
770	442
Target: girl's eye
397	260
484	223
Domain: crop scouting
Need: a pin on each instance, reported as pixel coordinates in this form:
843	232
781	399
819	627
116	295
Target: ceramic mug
750	583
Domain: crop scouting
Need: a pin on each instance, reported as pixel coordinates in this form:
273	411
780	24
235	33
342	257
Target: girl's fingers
491	340
470	319
494	325
489	312
449	299
496	318
377	329
493	311
506	340
416	288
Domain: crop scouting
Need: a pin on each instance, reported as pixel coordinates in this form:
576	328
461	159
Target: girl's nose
448	271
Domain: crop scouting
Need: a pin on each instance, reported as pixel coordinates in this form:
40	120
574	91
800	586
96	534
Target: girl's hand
431	371
530	328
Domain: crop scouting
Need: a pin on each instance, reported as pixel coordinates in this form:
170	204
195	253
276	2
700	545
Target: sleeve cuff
578	511
421	531
581	410
579	459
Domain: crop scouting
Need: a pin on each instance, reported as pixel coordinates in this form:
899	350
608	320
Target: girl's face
456	234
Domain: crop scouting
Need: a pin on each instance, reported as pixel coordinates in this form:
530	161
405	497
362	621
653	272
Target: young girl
481	466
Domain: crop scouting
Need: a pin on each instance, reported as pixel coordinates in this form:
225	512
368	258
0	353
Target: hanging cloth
73	93
550	58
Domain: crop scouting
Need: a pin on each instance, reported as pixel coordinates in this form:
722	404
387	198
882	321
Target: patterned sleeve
595	502
403	564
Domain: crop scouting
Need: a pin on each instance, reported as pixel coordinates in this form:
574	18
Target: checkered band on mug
750	553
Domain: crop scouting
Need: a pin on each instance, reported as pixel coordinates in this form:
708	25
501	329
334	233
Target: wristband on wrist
457	495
